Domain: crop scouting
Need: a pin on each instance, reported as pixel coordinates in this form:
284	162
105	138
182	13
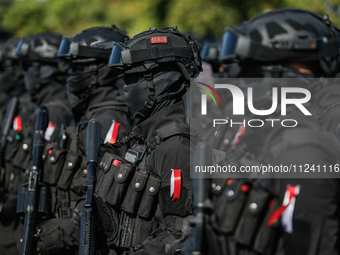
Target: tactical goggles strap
94	76
36	67
149	81
94	81
154	100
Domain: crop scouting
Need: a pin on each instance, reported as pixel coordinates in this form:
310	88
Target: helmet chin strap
94	81
153	100
37	86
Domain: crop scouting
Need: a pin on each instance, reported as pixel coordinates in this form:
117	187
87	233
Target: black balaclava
79	86
33	79
164	81
11	81
78	82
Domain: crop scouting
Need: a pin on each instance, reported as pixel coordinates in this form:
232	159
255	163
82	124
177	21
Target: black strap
93	52
156	52
154	100
64	204
263	53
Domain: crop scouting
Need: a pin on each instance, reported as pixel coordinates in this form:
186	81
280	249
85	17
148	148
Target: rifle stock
87	227
29	244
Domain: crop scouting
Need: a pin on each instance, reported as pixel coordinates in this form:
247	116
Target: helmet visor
22	48
229	44
205	52
67	48
116	56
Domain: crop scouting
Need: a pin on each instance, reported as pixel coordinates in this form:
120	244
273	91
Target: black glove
78	212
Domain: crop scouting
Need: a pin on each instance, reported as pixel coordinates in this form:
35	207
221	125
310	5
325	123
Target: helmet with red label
161	61
155	47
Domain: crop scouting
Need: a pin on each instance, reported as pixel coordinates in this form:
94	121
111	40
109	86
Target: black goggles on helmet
22	49
233	45
236	46
209	53
122	58
71	49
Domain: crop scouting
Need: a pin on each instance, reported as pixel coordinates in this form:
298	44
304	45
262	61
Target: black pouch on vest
216	242
79	177
229	200
252	216
109	217
135	192
267	237
114	179
44	208
24	155
148	204
71	164
21	203
54	158
14	142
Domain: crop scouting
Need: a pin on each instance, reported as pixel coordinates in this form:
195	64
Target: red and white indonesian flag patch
17	124
286	210
111	136
239	133
175	184
49	131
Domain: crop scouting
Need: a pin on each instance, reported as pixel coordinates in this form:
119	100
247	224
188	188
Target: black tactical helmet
7	52
158	51
88	54
93	44
156	47
11	75
283	35
41	47
38	55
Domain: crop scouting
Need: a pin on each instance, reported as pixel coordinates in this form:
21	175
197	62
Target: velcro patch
159	39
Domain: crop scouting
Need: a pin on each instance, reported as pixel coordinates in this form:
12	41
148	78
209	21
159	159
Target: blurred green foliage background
202	18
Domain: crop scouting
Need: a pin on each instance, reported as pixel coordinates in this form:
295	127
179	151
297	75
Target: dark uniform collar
53	91
167	115
101	94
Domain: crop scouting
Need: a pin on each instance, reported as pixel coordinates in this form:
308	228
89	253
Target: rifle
29	244
203	157
87	227
6	125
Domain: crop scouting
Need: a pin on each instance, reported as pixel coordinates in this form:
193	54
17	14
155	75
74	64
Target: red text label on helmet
159	39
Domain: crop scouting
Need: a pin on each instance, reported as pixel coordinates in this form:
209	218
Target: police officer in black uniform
11	85
144	199
11	76
93	92
247	213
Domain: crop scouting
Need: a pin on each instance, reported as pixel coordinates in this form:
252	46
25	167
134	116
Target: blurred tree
200	17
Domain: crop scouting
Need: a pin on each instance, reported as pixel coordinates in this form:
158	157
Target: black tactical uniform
93	91
144	199
44	81
11	85
248	216
11	77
